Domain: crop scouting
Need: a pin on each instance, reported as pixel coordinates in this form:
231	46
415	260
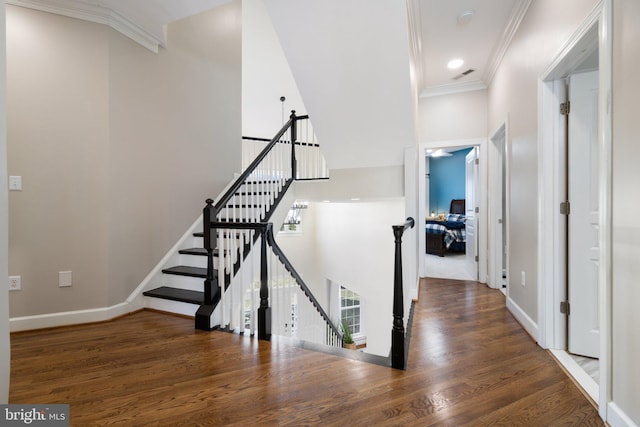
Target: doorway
480	194
591	40
498	206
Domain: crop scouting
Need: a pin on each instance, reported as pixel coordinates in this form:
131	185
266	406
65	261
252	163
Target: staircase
223	254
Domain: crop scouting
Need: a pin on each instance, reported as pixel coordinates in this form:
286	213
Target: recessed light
355	199
455	63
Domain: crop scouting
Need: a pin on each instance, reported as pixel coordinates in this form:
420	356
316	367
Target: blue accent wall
447	180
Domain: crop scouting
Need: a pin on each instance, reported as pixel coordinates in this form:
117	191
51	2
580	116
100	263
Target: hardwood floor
470	363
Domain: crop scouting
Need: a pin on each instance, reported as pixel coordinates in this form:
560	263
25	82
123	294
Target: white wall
118	148
356	249
514	92
5	347
57	140
266	75
362	183
351	64
451	117
175	130
626	230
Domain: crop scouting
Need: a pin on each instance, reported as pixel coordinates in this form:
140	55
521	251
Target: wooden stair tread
185	270
175	294
197	251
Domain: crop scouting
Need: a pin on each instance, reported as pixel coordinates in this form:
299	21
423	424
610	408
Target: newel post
208	245
294	137
264	311
397	332
203	315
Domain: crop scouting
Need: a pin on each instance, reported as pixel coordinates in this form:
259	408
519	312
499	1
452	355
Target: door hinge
565	308
476	258
565	208
477	210
477	161
565	108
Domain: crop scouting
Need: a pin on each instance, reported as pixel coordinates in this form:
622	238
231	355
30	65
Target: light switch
15	183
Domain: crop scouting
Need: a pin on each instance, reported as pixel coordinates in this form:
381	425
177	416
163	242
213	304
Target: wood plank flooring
470	363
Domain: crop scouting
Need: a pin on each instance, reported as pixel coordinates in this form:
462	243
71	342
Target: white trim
523	318
450	88
618	418
83	9
497	54
415	39
562	62
494	249
551	226
588	384
53	320
606	209
594	31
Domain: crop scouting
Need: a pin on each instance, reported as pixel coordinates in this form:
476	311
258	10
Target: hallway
470	363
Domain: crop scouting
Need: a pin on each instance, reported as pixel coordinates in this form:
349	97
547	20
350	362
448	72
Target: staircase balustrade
294	311
234	224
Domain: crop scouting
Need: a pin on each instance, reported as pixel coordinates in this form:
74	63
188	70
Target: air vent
464	73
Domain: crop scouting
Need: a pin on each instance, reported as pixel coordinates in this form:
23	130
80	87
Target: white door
471	202
583	250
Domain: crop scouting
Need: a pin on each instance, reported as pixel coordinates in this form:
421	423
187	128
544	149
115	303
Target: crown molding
500	49
83	9
415	39
451	88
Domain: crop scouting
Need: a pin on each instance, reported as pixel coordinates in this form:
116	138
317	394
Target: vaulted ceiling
477	31
367	49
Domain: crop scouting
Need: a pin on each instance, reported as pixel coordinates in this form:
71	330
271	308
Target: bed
448	234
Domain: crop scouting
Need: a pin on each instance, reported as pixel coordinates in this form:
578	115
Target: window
293	222
350	310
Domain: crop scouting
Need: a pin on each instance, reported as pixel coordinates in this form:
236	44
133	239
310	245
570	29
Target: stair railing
311	162
398	348
252	198
286	306
298	313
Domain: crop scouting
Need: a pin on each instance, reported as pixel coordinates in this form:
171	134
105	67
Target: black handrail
398	351
302	144
284	260
243	177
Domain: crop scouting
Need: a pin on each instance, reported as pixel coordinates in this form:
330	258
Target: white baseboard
616	417
52	320
527	322
588	384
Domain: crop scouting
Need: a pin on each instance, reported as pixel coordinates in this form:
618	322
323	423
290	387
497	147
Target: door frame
481	143
494	277
595	31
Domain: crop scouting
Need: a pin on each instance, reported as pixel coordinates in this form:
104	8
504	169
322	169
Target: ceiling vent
464	73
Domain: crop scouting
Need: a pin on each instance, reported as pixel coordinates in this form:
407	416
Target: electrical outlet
64	279
15	283
522	278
